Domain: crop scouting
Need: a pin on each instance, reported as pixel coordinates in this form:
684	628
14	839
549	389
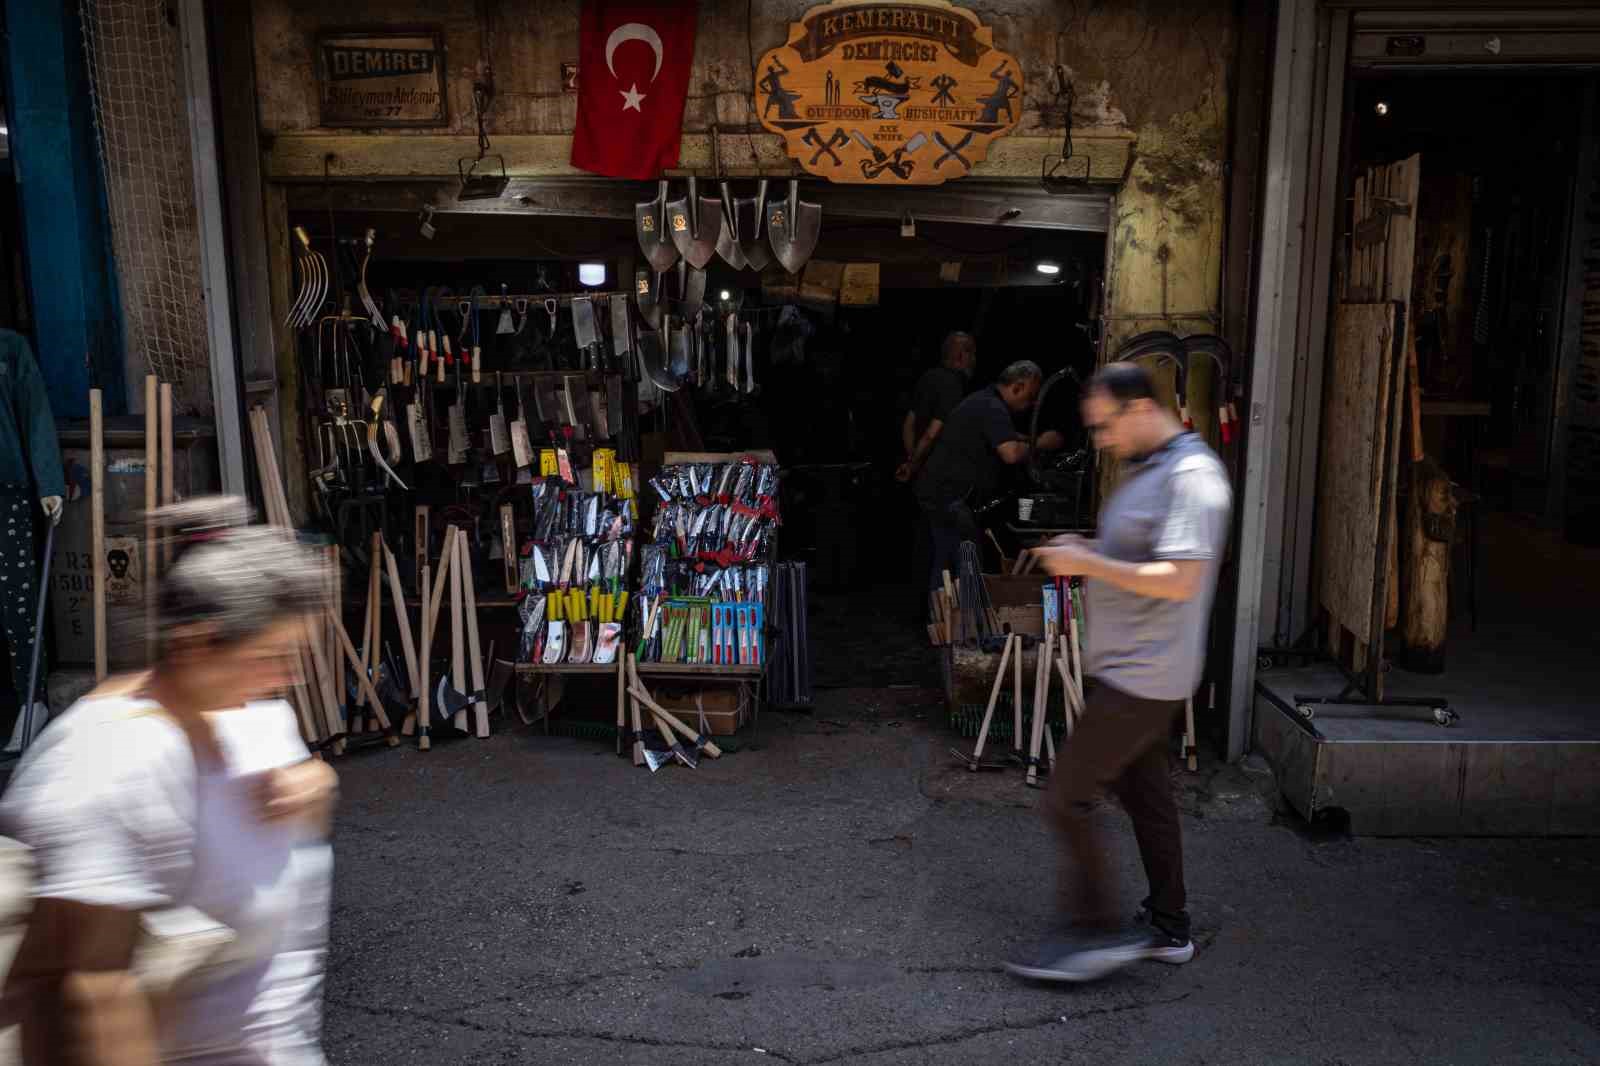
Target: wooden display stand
747	679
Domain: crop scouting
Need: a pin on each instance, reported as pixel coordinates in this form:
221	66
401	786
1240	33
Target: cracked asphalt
844	894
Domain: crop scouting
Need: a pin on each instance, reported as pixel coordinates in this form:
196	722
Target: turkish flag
633	79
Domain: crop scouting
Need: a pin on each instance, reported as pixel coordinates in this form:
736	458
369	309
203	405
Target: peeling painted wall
1155	68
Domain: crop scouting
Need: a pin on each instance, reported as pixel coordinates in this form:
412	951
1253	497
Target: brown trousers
1120	745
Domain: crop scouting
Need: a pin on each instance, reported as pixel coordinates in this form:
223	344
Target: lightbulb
1382	108
724	295
1044	266
591	273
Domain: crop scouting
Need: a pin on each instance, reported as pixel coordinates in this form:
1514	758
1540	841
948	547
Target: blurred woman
180	806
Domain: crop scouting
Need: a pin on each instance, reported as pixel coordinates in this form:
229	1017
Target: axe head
792	229
447	701
649	224
691	759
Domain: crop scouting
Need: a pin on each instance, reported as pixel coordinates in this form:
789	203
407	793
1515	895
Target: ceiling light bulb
724	295
1045	266
1382	108
591	273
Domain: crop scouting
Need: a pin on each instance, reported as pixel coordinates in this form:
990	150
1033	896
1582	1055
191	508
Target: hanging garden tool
650	227
647	294
361	284
696	224
1053	175
654	360
313	283
792	229
486	185
477	346
748	213
728	246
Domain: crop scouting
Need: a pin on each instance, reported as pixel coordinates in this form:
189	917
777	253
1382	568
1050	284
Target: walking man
1150	579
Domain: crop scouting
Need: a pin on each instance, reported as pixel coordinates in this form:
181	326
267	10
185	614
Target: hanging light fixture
591	273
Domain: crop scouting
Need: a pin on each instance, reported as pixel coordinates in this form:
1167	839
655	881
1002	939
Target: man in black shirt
937	392
978	440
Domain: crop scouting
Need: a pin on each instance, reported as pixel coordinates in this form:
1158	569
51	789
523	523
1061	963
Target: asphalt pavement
844	893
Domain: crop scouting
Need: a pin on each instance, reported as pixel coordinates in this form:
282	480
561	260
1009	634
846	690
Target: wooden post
1430	523
152	492
169	492
97	511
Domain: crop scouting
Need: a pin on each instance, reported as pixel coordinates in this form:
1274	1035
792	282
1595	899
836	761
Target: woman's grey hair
1021	370
240	579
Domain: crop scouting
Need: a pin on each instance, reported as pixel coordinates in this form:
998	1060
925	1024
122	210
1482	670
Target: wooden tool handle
402	618
480	708
362	680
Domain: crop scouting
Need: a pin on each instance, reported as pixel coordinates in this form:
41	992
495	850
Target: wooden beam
301	156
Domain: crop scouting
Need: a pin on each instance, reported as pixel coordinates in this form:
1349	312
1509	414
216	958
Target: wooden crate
727	707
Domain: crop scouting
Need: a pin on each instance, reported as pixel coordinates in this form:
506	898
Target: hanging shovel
653	361
747	219
650	225
499	435
792	229
647	294
696	224
680	350
728	237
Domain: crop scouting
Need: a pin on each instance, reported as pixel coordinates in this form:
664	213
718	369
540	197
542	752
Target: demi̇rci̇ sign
897	93
382	78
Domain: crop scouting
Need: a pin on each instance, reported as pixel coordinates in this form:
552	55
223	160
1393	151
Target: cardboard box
726	707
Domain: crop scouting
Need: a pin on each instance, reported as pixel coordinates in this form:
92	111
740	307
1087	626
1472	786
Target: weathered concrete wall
1153	69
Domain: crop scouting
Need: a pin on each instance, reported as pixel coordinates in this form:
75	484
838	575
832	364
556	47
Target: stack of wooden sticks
318	695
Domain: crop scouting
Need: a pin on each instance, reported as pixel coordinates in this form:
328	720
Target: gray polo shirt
1172	504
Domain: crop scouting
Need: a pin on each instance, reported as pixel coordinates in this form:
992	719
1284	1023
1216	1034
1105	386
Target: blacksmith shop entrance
1456	514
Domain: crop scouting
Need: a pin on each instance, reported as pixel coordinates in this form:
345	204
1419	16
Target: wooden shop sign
382	78
889	94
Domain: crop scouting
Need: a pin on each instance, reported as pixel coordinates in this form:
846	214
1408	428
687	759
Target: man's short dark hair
1123	382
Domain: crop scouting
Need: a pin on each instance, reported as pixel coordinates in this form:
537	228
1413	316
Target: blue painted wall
65	230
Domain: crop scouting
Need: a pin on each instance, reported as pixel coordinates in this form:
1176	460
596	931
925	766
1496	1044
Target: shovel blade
694	289
708	237
653	361
679	351
728	235
747	213
680	225
793	239
648	224
647	294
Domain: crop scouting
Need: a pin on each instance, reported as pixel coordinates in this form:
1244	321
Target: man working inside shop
1151	575
936	394
962	469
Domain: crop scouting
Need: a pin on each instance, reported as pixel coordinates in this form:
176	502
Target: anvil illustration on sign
858	88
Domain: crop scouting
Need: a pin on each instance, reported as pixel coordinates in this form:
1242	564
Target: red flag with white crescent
633	79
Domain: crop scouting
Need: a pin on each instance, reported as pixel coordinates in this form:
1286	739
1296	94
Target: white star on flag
632	97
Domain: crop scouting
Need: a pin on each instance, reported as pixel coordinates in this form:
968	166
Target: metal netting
133	52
